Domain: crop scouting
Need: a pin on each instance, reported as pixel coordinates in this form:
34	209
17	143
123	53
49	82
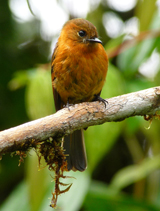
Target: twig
145	102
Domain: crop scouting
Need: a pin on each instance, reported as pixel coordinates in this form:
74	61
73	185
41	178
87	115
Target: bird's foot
100	99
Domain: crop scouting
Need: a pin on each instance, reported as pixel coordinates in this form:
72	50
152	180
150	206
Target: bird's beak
95	39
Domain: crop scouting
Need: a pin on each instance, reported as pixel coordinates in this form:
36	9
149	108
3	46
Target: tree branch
145	102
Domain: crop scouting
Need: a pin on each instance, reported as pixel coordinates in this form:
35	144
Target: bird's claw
100	99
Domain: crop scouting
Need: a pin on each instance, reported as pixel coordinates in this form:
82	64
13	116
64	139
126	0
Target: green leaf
18	199
20	79
134	173
102	198
112	45
37	181
39	96
130	60
145	11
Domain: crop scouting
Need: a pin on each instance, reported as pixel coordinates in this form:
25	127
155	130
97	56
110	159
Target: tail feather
74	147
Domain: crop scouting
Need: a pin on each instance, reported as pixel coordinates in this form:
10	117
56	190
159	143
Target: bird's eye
82	33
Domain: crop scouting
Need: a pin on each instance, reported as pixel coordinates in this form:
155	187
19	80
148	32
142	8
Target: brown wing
57	99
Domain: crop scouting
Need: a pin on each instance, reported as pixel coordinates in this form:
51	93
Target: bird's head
80	31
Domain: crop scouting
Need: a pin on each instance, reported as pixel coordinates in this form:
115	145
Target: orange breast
80	73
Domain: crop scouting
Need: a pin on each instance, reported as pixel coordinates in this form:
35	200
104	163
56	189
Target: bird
78	71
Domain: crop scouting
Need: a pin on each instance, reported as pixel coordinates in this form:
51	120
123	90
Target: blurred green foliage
123	158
